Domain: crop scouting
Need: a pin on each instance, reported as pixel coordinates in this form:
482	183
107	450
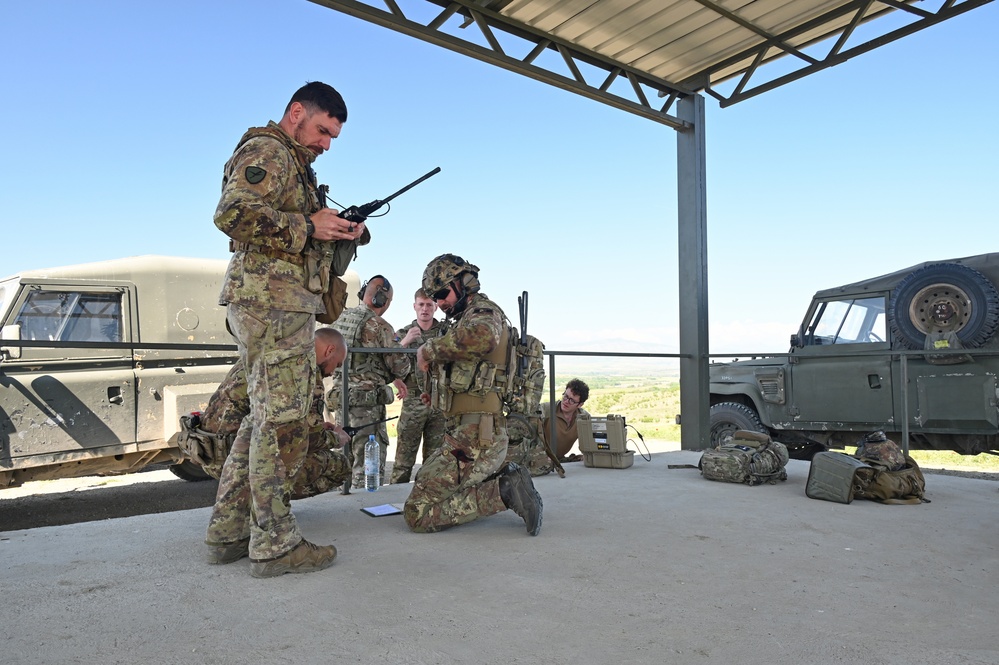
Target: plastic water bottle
372	459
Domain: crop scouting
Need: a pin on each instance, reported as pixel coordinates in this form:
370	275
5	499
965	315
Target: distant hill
616	365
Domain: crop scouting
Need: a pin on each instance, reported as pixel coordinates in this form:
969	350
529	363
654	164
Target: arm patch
254	174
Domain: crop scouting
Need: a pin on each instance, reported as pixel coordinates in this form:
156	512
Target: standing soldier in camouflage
416	420
271	208
371	375
325	465
466	477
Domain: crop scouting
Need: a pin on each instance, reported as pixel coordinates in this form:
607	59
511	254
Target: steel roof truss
487	21
775	46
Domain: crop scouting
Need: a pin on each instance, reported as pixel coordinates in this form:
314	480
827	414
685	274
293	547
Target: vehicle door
67	399
840	372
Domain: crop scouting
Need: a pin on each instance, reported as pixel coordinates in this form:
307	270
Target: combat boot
304	558
228	552
518	494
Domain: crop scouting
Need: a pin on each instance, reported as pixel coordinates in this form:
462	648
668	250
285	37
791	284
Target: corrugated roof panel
675	40
674	46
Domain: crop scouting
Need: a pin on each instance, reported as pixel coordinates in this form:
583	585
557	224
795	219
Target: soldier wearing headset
371	375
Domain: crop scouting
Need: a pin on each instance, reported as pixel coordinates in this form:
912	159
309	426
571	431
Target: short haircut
420	293
331	336
579	388
317	96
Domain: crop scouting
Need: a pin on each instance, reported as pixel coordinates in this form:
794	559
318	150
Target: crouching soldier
209	440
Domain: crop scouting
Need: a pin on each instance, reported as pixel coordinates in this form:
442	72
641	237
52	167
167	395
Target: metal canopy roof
641	55
654	58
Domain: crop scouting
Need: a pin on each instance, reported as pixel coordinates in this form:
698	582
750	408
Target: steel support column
692	263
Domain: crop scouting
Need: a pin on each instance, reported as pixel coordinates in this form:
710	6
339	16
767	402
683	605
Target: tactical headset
382	295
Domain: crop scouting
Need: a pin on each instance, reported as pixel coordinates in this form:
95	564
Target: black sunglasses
443	293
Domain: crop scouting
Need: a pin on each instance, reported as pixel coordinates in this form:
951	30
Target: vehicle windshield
848	321
71	317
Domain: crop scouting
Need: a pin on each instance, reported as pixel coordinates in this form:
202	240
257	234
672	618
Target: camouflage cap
442	270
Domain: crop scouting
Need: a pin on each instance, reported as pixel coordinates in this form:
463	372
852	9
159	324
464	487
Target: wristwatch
310	228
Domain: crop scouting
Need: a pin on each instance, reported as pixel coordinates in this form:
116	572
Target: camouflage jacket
268	186
464	359
413	380
231	403
362	328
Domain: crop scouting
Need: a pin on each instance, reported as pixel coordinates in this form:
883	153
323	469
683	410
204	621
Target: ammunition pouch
376	397
458	381
334	301
317	267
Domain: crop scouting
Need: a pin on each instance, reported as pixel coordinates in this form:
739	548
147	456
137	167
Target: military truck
913	353
109	355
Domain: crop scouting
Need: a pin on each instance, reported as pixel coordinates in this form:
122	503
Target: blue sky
120	115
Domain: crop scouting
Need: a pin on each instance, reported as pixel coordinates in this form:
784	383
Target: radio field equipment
603	442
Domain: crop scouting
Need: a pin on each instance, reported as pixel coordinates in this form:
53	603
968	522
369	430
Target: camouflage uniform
416	420
324	467
369	380
459	482
273	288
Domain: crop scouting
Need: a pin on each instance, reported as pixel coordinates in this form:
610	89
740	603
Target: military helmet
878	448
441	271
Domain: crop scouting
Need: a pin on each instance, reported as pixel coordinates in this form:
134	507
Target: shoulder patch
255	174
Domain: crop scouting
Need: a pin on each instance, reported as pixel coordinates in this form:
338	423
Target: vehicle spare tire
942	298
727	417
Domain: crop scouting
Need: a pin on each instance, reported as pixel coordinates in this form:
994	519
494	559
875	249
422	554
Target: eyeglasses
565	396
443	293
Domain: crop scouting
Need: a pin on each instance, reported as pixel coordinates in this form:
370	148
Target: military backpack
525	386
878	471
888	474
748	457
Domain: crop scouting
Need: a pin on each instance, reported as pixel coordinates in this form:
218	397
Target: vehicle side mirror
11	332
795	341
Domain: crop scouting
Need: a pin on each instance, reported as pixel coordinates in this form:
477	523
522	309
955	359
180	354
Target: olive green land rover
98	362
913	353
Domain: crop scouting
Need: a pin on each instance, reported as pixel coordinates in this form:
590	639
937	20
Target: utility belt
464	403
475	418
297	259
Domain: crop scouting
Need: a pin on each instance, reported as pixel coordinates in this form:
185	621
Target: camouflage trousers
326	466
416	422
458	483
271	445
360	415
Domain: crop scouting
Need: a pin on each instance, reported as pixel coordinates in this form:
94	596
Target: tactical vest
472	386
317	256
350	324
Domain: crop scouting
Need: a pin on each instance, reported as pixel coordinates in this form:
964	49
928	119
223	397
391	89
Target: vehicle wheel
942	298
727	417
189	471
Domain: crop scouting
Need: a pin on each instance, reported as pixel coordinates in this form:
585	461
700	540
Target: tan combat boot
304	558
